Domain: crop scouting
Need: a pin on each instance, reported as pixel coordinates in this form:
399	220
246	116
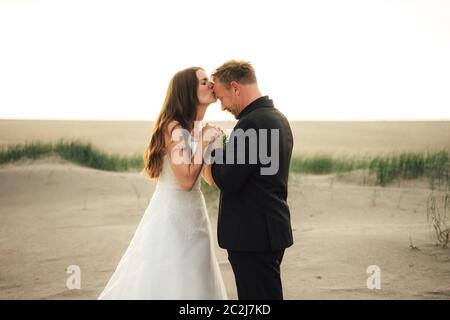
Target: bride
171	255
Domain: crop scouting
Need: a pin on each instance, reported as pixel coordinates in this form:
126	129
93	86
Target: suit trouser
257	274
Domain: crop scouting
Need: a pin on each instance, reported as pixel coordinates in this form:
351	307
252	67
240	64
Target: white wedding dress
171	255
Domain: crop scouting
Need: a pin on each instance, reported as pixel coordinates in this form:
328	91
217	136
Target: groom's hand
218	142
213	137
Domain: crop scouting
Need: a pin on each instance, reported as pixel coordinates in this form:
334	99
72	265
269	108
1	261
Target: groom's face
226	97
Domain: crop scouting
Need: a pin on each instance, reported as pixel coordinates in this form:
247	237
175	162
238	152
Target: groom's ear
235	87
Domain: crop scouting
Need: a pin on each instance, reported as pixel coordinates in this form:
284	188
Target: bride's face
205	92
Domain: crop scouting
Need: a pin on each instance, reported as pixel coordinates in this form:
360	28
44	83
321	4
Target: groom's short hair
234	70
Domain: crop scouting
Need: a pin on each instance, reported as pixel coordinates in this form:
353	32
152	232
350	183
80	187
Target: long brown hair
180	104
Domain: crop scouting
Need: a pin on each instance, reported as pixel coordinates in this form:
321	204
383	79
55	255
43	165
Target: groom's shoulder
263	118
247	122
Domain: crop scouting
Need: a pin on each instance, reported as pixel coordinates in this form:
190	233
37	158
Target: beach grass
386	168
82	153
326	164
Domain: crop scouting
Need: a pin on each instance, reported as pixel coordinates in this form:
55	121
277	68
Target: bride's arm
185	166
206	171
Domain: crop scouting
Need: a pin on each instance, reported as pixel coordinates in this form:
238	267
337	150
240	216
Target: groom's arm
231	176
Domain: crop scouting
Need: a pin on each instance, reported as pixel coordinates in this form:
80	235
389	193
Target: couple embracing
171	255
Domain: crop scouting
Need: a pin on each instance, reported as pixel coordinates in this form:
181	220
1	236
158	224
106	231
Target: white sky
318	60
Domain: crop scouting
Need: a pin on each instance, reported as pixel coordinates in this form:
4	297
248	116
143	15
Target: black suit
254	219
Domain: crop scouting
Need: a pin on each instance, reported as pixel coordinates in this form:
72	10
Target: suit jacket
253	210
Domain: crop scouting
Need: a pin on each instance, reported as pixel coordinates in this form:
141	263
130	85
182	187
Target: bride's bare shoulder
172	125
173	138
169	129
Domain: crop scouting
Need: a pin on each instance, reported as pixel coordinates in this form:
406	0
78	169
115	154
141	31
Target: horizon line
222	120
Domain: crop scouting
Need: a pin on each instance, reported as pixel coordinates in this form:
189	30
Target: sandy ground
334	138
55	214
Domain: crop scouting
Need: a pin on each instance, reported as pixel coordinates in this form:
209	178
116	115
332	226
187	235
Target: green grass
75	151
438	214
384	168
325	164
433	165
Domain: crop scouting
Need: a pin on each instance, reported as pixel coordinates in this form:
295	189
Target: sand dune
55	214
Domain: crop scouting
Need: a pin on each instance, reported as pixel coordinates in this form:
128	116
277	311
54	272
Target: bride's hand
212	134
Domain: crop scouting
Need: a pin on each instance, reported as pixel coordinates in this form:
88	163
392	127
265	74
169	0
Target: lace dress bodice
168	180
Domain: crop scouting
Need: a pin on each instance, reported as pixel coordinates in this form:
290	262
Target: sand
54	214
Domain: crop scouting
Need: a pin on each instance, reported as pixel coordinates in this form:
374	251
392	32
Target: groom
254	220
